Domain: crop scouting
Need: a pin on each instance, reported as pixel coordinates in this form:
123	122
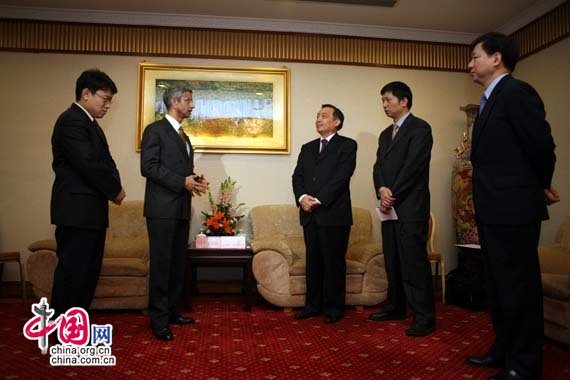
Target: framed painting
237	110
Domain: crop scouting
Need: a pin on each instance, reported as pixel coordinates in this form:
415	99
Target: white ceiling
456	21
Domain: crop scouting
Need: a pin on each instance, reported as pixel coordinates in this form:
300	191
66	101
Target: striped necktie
395	128
324	143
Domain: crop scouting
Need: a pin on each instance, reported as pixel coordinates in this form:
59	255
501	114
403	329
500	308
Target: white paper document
391	215
472	246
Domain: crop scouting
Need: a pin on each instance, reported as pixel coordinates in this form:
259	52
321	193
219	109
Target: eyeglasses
106	99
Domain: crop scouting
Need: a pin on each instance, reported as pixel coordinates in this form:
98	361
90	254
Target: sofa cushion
556	286
354	283
557	312
298	285
554	259
124	267
300	269
354	267
297	246
127	220
275	221
126	247
120	286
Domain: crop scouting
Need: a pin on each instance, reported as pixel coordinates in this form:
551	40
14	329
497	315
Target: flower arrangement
222	219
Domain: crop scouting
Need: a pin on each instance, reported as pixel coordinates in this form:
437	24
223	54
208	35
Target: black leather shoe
180	320
386	316
420	330
332	318
485	361
163	334
512	375
306	314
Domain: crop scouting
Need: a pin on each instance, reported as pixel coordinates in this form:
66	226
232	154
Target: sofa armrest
556	286
363	252
279	246
554	259
40	267
47	244
271	271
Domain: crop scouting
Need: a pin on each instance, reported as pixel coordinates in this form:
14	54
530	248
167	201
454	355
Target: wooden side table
215	257
469	257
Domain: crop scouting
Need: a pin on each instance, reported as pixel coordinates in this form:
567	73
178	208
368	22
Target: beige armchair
279	258
555	268
123	283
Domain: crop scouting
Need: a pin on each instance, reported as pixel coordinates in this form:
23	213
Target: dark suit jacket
512	155
165	163
402	166
86	177
326	176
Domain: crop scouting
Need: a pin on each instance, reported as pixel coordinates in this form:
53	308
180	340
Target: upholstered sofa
123	283
555	268
279	258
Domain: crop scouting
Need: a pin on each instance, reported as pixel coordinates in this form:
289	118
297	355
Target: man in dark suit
167	162
513	163
321	183
86	179
401	181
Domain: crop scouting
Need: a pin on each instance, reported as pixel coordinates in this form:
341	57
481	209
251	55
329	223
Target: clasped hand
309	203
196	184
387	199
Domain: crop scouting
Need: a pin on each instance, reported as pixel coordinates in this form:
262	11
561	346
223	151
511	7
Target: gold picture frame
237	109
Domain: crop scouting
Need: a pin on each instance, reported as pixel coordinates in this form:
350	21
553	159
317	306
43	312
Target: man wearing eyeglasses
86	179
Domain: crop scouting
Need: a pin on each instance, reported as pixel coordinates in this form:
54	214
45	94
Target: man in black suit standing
167	163
321	183
86	179
513	163
401	181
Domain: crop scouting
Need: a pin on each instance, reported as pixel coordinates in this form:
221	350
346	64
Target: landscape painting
236	110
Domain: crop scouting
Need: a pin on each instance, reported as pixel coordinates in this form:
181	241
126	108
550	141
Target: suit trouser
326	268
514	287
408	270
168	240
80	255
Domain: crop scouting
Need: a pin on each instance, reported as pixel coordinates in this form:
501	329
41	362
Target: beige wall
38	87
547	71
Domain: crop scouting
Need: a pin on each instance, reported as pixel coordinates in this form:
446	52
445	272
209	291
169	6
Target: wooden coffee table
215	257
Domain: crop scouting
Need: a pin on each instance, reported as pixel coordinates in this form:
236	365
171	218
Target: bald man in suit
321	184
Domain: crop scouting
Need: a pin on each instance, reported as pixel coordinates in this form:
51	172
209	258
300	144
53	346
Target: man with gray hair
167	163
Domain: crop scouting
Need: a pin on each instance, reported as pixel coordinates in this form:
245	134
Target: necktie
183	136
99	131
482	104
324	143
395	128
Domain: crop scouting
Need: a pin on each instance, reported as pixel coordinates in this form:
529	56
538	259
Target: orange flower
222	219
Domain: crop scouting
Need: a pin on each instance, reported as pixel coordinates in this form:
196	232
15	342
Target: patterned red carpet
227	343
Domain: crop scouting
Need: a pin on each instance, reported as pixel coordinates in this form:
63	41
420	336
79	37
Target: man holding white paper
401	180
